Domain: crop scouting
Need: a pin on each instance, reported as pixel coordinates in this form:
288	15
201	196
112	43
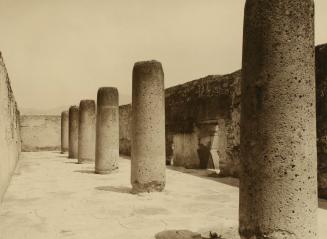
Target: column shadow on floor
207	174
90	171
61	156
202	173
125	156
121	189
322	203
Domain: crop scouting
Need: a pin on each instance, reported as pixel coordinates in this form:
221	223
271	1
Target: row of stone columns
278	181
93	132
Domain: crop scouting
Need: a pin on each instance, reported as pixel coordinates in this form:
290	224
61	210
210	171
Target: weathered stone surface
202	122
40	133
148	128
107	130
10	139
321	94
278	182
86	131
178	234
64	131
73	116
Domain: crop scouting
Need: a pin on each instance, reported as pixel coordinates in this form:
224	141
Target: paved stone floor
51	196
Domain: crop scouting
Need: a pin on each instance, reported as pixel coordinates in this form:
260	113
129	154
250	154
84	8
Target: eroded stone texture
321	89
148	127
107	130
86	131
64	131
278	183
73	115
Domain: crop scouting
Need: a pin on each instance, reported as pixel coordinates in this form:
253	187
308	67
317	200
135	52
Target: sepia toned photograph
171	119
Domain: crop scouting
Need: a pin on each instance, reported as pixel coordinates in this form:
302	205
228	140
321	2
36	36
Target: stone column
73	116
148	127
86	131
107	130
278	181
64	131
321	89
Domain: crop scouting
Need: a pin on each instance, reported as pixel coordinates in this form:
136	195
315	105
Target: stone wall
40	132
202	124
10	142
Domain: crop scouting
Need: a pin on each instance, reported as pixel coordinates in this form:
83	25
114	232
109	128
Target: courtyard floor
50	196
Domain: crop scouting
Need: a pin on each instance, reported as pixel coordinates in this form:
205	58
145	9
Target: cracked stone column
73	116
107	131
148	127
64	131
278	181
86	131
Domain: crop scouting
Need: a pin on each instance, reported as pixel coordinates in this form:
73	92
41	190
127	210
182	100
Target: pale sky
58	52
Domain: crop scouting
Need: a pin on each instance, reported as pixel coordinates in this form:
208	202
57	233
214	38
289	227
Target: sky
59	52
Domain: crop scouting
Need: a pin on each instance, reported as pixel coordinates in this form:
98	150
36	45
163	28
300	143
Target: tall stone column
64	131
321	95
278	181
73	116
148	127
107	130
86	131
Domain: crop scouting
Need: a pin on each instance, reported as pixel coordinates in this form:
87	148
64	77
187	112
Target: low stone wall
41	132
202	124
10	142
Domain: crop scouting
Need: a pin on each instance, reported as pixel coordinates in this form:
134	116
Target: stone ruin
203	123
